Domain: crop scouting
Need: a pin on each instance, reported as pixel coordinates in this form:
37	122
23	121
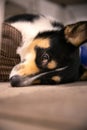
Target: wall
1	16
65	14
76	13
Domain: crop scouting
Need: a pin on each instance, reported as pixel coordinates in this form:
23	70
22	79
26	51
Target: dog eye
44	59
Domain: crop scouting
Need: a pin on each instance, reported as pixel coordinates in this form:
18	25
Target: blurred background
66	11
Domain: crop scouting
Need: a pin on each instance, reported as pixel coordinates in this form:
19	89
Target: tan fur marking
43	43
75	41
84	76
29	67
56	78
52	64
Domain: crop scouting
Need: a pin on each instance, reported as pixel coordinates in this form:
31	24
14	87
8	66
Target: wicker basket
11	39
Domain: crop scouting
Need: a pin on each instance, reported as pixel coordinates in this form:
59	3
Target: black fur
22	17
65	54
57	24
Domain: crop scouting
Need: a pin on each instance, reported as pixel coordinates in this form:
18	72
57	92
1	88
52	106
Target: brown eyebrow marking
40	42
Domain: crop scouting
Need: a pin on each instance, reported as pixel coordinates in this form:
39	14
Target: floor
60	107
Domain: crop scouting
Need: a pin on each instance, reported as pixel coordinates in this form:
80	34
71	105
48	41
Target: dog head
52	57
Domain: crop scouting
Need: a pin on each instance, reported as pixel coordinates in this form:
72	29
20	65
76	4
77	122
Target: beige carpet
7	91
60	107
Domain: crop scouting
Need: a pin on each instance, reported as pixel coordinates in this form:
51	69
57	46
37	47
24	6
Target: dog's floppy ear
76	34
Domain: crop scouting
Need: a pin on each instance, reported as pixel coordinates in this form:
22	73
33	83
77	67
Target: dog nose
15	81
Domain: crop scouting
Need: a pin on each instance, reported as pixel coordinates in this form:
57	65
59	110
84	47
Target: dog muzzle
18	81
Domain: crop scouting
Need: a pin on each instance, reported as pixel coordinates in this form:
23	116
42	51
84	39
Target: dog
49	51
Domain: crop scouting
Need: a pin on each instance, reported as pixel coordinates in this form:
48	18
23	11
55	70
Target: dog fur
49	52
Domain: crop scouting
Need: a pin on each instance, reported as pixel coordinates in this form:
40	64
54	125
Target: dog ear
76	34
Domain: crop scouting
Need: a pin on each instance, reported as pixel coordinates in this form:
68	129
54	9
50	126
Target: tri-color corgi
49	51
